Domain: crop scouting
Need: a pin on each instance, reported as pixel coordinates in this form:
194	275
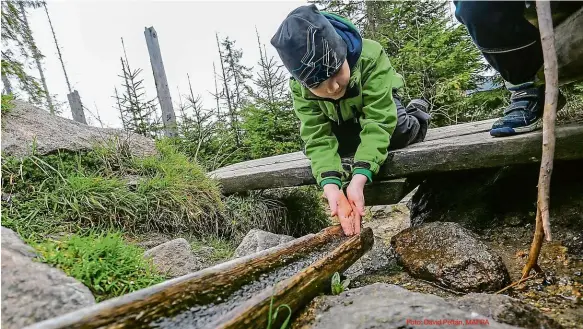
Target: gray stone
11	241
505	309
33	291
450	255
382	256
174	258
257	240
382	305
26	126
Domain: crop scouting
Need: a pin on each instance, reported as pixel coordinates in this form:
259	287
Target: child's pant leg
411	126
504	36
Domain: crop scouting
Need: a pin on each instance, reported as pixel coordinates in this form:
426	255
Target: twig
516	283
543	226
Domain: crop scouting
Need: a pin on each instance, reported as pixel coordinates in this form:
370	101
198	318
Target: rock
11	241
174	258
450	255
380	211
33	291
152	240
26	125
505	309
257	240
382	305
382	256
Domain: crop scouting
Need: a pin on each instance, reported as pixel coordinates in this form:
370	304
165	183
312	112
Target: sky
89	35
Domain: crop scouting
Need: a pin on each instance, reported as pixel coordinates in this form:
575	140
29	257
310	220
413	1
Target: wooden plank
168	116
432	134
386	192
478	150
298	290
140	308
569	45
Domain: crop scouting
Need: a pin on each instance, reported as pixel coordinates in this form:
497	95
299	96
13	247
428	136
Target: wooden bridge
451	148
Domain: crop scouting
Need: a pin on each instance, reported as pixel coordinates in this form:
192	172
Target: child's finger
333	207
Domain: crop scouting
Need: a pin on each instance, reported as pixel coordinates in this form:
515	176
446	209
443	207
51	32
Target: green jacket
373	78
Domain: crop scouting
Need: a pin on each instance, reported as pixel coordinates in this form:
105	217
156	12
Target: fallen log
298	290
139	309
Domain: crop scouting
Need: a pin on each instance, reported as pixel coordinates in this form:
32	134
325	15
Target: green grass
222	251
105	263
290	211
7	104
67	192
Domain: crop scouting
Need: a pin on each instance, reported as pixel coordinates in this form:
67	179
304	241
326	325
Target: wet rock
505	309
257	240
174	258
450	255
389	306
380	211
11	241
27	125
33	291
382	256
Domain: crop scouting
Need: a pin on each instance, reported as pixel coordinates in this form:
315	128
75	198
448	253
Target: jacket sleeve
379	116
321	146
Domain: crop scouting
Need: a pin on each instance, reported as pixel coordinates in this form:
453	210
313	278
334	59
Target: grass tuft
105	263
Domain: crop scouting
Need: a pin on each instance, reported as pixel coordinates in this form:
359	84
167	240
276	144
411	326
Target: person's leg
412	123
512	46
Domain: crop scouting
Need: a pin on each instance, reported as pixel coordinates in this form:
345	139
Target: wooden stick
298	290
515	284
543	226
138	309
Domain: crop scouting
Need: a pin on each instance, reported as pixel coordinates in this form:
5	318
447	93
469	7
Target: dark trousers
411	128
509	42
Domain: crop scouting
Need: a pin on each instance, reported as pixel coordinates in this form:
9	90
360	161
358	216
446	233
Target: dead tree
37	57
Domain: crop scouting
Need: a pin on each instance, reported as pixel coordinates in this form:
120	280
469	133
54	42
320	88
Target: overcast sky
90	32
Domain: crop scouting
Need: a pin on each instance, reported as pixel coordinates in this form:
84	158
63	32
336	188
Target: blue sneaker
524	114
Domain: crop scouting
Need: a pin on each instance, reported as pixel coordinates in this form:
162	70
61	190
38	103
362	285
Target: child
344	93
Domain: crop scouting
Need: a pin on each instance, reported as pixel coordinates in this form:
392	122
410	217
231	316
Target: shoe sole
508	131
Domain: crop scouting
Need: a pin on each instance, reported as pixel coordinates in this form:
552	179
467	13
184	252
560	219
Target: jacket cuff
363	171
331	180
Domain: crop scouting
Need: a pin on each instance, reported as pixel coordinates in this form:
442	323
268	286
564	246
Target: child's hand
355	194
339	206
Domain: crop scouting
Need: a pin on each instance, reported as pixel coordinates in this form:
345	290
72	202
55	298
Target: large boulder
33	291
174	258
450	255
257	240
26	127
382	305
11	241
505	309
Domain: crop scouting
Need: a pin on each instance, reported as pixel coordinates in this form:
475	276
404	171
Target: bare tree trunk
217	96
7	85
37	56
543	228
58	49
